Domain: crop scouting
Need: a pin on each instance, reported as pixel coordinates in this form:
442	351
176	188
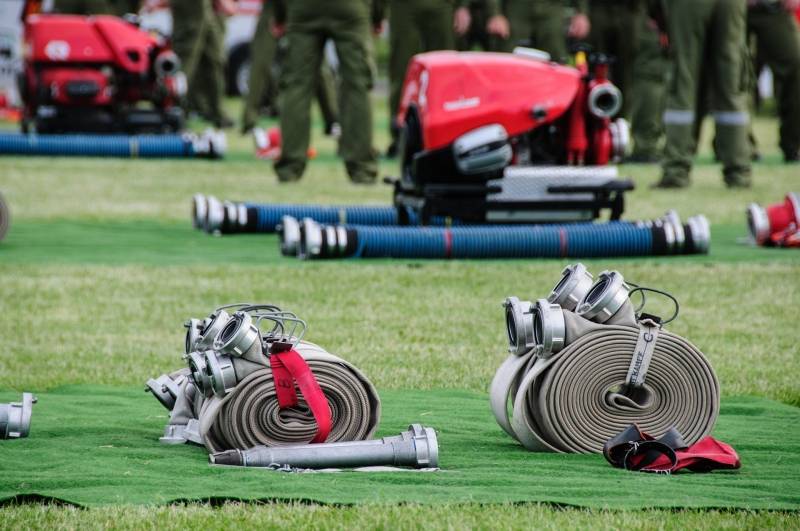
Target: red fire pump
98	74
467	116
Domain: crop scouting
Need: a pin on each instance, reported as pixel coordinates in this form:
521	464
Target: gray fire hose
226	398
15	418
5	218
416	448
584	366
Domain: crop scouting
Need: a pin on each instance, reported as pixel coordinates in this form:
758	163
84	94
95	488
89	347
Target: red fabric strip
289	367
448	243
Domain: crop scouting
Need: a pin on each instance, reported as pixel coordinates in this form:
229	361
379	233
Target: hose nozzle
15	418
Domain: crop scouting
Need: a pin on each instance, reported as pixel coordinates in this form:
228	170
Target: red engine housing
551	114
94	73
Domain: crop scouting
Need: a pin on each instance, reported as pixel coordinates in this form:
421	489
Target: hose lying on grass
584	365
229	217
665	236
208	145
251	380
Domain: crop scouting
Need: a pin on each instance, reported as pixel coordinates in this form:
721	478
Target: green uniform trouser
263	88
83	7
707	34
648	93
615	32
778	43
477	34
415	26
197	38
309	24
538	23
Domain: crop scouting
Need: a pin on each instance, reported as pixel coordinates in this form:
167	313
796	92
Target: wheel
5	217
238	73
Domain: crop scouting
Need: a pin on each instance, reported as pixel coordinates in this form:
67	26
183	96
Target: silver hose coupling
199	371
549	328
165	389
289	233
239	337
417	448
194	332
215	323
15	418
673	228
698	231
310	239
575	283
220	372
519	326
605	298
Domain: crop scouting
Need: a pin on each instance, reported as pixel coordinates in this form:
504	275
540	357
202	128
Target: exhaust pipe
417	448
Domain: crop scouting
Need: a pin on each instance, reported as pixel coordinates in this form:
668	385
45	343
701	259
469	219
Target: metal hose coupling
416	448
573	379
763	222
5	217
211	143
15	418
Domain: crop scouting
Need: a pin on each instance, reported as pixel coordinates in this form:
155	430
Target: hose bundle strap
645	347
289	367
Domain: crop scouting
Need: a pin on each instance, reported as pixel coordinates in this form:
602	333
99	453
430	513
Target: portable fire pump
98	74
491	137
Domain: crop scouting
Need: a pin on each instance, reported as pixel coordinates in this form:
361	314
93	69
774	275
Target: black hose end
230	458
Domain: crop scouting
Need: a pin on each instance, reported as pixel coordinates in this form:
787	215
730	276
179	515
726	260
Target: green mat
95	445
155	243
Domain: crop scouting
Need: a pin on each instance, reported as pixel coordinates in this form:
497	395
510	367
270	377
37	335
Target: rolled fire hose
15	418
227	398
5	218
208	145
229	217
586	240
575	379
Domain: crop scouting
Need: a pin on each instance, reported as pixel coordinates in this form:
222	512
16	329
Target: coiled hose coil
575	379
226	398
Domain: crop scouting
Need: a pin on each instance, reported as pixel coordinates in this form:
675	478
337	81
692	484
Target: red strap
448	243
289	367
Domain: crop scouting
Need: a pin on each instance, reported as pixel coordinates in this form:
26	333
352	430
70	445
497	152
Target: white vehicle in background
239	29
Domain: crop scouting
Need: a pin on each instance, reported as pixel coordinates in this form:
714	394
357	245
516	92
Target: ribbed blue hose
268	216
86	145
585	240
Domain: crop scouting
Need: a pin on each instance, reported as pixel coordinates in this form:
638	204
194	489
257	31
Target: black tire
238	70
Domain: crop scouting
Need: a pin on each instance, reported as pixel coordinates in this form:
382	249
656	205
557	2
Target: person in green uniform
706	35
488	28
308	24
83	7
263	88
540	24
777	42
616	25
417	26
648	93
197	38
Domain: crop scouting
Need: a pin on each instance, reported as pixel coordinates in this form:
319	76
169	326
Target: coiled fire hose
5	218
584	366
251	380
229	217
665	236
208	145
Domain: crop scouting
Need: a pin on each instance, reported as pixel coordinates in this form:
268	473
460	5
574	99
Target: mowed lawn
101	268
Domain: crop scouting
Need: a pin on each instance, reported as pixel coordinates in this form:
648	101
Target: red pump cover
457	92
88	40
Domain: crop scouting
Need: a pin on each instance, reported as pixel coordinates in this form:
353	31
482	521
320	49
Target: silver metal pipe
417	447
15	418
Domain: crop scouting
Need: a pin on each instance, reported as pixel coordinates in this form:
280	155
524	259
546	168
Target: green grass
85	300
